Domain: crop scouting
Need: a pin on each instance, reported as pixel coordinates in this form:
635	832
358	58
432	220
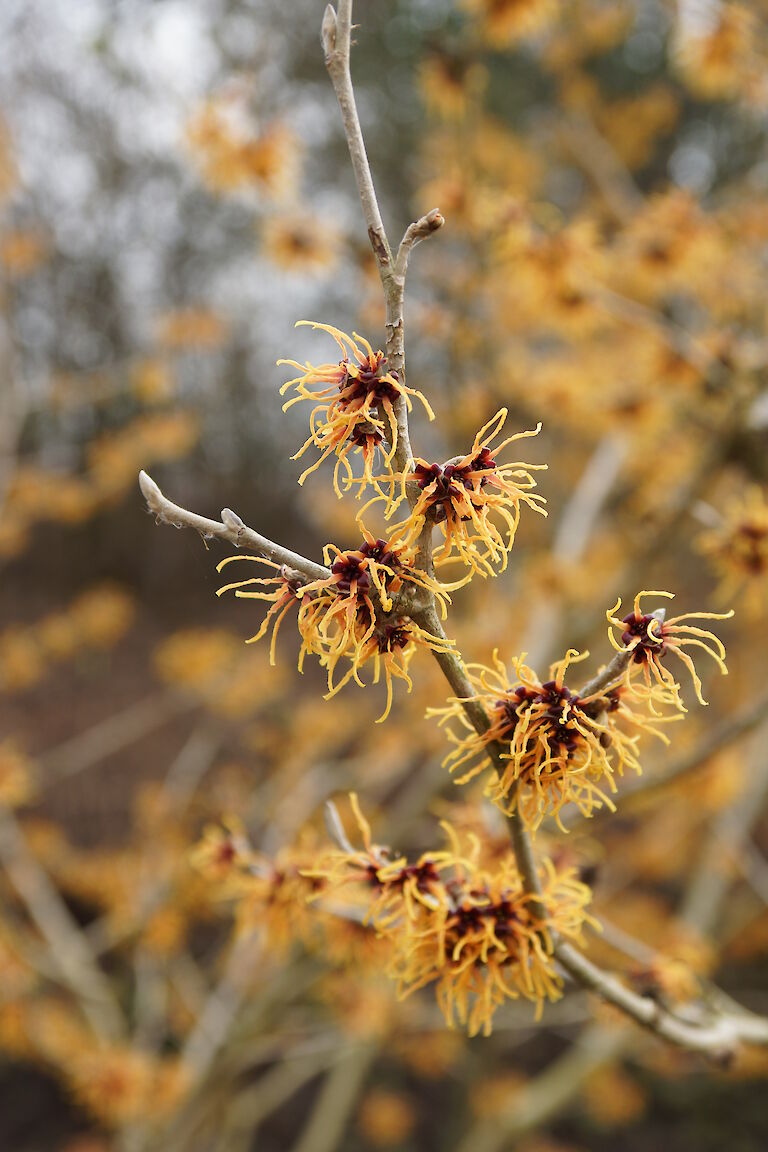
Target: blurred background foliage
174	194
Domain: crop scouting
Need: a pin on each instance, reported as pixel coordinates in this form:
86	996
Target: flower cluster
271	893
738	547
557	746
354	409
474	500
650	639
351	615
472	932
365	611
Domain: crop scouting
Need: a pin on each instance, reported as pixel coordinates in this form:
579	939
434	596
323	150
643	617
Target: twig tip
150	491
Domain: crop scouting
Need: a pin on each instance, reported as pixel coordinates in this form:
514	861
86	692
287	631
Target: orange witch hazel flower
474	500
559	747
473	933
354	406
651	638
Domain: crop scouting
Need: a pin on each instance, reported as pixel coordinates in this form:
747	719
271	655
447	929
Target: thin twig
414	234
716	1035
258	1101
112	735
711	880
68	946
601	165
549	1093
220	1010
336	37
230	528
682	342
329	1118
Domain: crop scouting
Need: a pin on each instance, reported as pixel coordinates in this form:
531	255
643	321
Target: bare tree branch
230	528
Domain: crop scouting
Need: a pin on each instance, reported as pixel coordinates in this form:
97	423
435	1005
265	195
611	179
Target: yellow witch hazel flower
474	500
352	615
738	547
472	932
558	747
504	22
650	639
354	409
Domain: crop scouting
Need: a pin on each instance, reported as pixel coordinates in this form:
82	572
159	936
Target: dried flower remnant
650	639
560	747
354	407
474	501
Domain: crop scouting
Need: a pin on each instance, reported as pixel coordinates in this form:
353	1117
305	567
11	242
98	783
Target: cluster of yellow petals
558	747
650	637
361	615
354	411
298	242
471	932
96	620
504	22
738	548
473	500
352	615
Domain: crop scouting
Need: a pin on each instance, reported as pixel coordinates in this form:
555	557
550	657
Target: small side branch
230	528
414	234
717	1036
